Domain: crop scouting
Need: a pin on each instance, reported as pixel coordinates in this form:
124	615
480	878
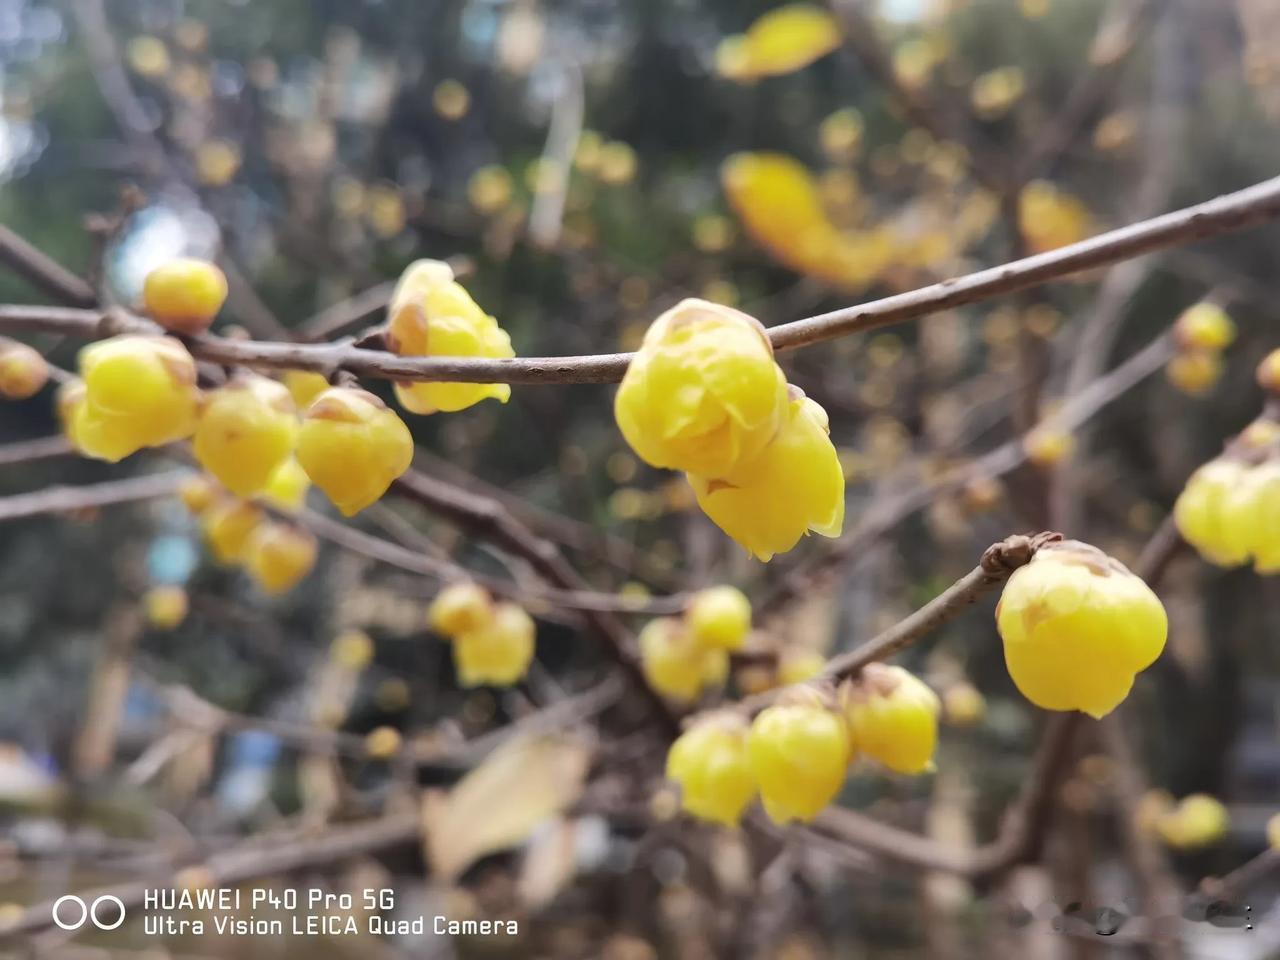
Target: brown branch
262	856
61	499
1224	214
43	272
998	561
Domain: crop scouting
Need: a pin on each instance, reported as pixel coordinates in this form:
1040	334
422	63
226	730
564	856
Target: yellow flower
287	487
278	556
1077	627
893	717
1050	217
198	492
1204	326
794	486
1047	445
497	653
460	608
719	617
799	755
382	742
703	393
1199	820
1195	371
963	705
1213	512
184	295
246	432
431	315
784	40
709	762
674	665
352	446
1264	516
23	370
139	391
352	649
304	386
227	526
797	666
165	606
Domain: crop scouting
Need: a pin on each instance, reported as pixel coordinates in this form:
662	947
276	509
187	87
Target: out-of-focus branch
62	499
998	562
1224	214
44	272
30	451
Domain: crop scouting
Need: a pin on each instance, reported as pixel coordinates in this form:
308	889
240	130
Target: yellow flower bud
227	527
1273	832
352	649
781	41
304	386
796	485
893	717
139	391
797	666
352	446
431	315
23	370
963	705
1077	627
799	756
287	487
382	743
995	91
709	762
1264	511
198	492
1204	326
247	430
674	665
1047	446
1214	513
703	393
279	555
1199	820
460	608
719	617
165	606
184	295
1195	371
497	653
1269	372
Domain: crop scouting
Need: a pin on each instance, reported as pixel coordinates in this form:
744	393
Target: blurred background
581	164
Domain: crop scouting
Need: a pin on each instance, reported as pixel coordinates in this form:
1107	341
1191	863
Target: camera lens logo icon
71	912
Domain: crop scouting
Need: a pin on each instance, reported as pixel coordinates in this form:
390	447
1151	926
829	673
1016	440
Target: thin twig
1224	214
30	451
62	499
44	272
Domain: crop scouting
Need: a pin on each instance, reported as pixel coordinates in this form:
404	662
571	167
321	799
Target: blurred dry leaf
549	864
499	803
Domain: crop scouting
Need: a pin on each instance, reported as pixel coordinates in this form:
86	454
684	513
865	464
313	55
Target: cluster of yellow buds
704	395
682	656
276	555
1077	628
1198	820
431	315
493	642
1201	333
1230	508
246	432
796	753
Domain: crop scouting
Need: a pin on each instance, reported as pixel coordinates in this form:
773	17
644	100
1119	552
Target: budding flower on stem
353	446
703	393
228	525
1194	372
1077	628
709	762
719	617
246	432
797	666
198	492
893	717
459	608
1214	512
287	487
1204	326
184	295
498	652
431	315
165	606
278	555
799	755
1199	820
795	486
139	391
675	664
23	370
